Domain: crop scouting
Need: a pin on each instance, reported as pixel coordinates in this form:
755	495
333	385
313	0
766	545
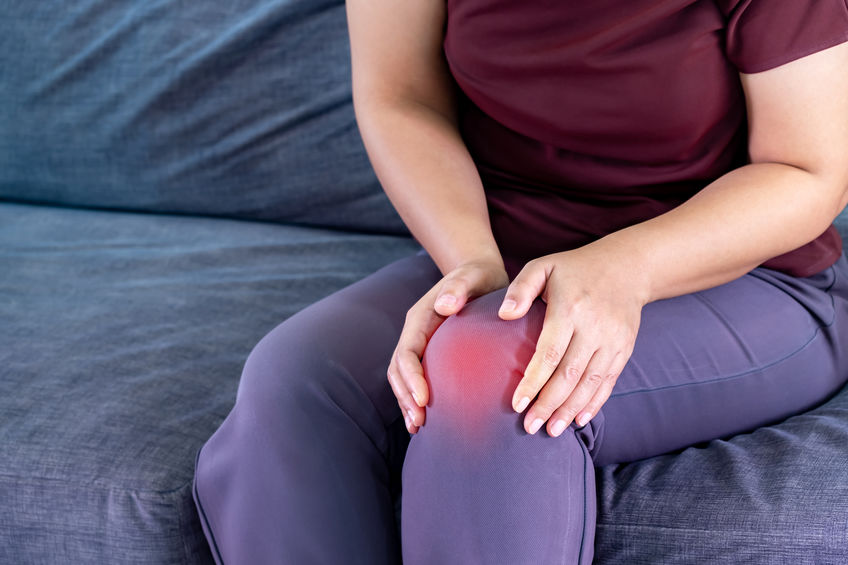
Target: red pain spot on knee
472	371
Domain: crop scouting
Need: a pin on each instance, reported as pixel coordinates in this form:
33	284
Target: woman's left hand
594	306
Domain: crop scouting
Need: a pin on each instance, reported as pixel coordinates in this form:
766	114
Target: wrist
488	257
624	259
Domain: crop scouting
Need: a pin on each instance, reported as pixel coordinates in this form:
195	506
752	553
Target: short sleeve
763	34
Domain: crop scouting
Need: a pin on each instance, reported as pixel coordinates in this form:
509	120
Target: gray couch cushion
778	495
239	108
842	225
122	338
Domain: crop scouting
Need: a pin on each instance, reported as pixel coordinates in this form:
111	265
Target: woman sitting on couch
625	209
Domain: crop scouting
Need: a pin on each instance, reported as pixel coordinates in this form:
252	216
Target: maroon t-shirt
587	117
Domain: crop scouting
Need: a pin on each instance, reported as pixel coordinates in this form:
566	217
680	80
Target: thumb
452	296
460	286
523	290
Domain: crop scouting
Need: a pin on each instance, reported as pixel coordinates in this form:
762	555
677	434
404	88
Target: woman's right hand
447	297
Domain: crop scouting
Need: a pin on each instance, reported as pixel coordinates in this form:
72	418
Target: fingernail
411	417
446	300
583	419
522	404
558	427
415	397
507	306
537	423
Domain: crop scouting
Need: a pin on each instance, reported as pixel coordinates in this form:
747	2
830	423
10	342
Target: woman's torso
586	117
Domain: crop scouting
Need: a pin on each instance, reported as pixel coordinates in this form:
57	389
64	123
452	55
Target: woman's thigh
727	360
315	422
351	332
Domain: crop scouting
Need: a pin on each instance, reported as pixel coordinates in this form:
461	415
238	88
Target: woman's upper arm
396	53
798	115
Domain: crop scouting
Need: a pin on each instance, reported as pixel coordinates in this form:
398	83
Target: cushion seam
93	484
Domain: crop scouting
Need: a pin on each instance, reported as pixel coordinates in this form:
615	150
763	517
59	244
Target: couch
177	178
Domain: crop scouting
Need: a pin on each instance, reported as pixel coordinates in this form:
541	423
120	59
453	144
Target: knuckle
410	314
552	355
594	378
518	286
419	339
457	281
572	372
583	308
566	379
409	364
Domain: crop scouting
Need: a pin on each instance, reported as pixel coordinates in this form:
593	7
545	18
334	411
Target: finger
520	294
553	394
458	288
401	393
604	391
594	376
577	356
410	426
550	347
452	296
412	376
419	326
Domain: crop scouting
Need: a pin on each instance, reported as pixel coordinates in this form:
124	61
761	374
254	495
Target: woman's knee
472	364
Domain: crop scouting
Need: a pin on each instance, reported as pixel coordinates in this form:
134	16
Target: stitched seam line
585	498
749	371
720	379
779	60
214	545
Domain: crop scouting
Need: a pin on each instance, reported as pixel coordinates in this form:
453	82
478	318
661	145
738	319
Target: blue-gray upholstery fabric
122	338
239	108
778	495
842	225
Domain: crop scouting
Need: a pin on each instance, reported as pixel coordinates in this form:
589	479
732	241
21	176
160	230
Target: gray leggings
307	466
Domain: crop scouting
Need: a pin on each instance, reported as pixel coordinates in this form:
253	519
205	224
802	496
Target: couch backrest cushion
842	226
239	108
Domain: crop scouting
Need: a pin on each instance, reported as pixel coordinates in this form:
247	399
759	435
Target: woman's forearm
430	178
733	225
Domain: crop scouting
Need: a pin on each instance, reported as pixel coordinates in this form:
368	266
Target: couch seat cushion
123	337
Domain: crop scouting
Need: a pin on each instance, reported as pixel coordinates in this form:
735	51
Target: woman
625	210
